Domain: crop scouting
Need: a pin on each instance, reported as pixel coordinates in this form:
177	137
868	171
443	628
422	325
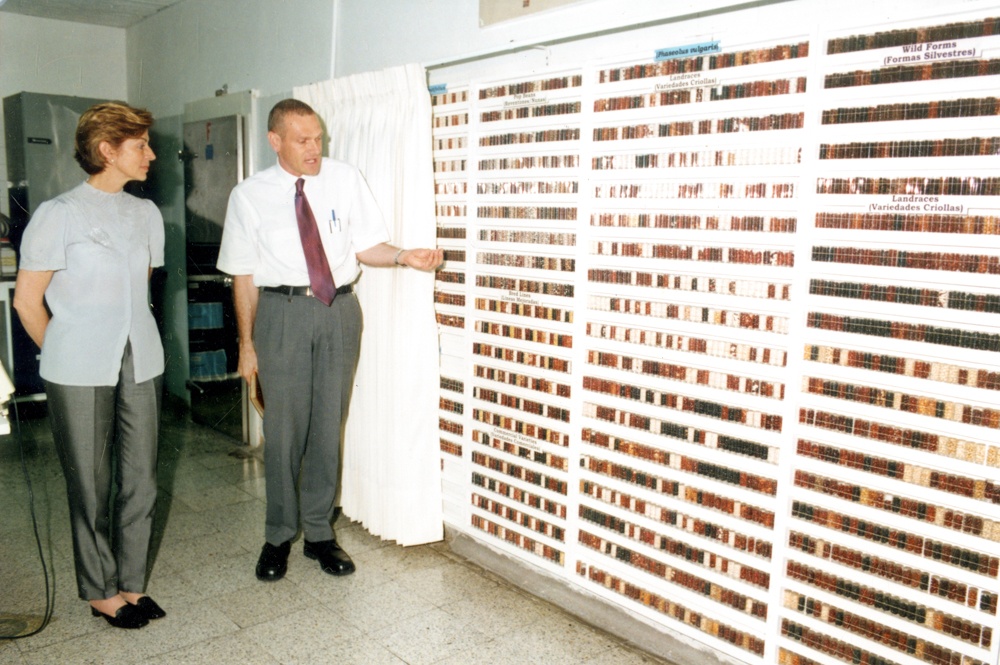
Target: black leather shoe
149	607
273	561
127	616
332	559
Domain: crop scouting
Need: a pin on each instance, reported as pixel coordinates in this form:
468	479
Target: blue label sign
687	50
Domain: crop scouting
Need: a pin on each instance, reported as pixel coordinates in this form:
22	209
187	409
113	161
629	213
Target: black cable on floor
50	600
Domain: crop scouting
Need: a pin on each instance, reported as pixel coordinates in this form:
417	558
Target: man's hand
245	296
248	360
422	259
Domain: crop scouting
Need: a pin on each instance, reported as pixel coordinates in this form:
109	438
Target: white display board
720	334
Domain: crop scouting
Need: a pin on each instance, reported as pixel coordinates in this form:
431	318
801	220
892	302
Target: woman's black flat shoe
149	608
127	616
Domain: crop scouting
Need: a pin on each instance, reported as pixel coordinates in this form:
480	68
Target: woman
88	255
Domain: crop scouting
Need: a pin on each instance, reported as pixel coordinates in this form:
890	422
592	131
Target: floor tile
233	649
9	654
113	646
362	651
371	611
443	583
258	603
403	606
304	636
429	637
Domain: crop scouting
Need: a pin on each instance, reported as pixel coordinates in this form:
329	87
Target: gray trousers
100	430
307	354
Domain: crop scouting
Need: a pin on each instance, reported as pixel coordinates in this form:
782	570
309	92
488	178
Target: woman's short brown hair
113	122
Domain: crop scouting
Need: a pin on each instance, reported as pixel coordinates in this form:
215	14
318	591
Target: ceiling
112	13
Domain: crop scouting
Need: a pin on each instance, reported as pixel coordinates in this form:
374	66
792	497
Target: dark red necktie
320	277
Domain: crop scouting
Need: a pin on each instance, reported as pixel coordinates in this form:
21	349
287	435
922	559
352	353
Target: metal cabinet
40	131
214	162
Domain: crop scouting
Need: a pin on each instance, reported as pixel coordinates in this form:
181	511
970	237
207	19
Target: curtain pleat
381	123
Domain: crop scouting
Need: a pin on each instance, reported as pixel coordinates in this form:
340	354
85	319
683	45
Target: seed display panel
721	329
525	184
450	133
893	537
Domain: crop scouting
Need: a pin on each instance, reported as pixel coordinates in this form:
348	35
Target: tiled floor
403	605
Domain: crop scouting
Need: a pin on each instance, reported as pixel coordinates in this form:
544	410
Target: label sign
687	50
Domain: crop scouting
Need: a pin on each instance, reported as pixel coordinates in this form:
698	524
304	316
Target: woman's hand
29	301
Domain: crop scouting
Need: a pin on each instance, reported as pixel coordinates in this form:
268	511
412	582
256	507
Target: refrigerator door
213	164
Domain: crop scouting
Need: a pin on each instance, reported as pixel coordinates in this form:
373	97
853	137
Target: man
289	230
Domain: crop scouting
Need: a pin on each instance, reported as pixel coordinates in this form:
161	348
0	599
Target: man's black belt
303	290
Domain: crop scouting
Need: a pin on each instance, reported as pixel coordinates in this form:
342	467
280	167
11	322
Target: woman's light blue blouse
100	247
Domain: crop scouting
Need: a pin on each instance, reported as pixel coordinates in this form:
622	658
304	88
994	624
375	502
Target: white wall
375	34
187	52
57	57
184	54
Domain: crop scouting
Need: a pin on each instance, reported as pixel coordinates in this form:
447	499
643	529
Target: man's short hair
286	107
113	122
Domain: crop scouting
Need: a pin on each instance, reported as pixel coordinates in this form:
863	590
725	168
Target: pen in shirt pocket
333	220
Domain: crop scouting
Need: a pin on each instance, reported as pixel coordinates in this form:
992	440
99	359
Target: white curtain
381	123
